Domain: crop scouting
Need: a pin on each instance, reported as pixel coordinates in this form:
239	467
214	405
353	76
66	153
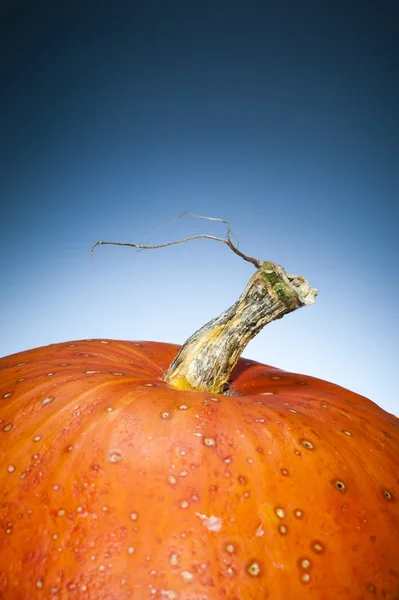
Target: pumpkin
119	482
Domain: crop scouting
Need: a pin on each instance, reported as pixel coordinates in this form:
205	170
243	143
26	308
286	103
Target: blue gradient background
280	117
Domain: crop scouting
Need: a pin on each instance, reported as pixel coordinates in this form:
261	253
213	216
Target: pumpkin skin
114	485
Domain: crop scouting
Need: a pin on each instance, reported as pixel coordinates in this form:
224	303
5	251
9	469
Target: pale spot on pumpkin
187	577
101	342
47	400
211	523
149	384
280	512
91	372
169	594
101	568
8	427
230	548
282	529
61	512
266	394
165	415
304	563
56	487
292	410
213	399
7	395
183	407
21	364
209	441
275	377
11	468
21	379
174	559
184	504
134	516
305	577
172	479
307	444
37	438
346	432
50	374
114	456
318	547
183	473
109	409
39	584
131	550
254	569
117	374
298	513
284	472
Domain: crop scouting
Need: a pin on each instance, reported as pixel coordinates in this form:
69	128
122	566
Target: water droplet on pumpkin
184	504
37	438
298	513
305	577
11	468
7	394
172	479
134	516
8	427
131	550
280	512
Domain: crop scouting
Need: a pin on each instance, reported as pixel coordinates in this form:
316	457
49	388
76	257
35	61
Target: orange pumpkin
114	484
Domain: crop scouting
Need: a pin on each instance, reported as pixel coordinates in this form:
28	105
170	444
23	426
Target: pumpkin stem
208	357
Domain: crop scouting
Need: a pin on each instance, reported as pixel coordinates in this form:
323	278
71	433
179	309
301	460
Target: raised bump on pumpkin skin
282	529
298	513
114	456
187	577
307	444
339	485
317	546
8	427
209	441
388	495
47	400
280	512
254	569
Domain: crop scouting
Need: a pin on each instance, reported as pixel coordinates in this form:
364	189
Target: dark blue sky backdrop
281	117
